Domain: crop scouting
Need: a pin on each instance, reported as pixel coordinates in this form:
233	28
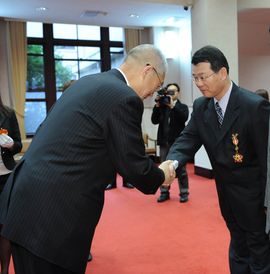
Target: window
34	29
58	53
35	107
116	34
117	56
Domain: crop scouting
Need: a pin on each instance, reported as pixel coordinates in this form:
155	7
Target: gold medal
238	158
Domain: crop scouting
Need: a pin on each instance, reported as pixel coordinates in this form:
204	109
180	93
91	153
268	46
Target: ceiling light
93	13
134	16
41	9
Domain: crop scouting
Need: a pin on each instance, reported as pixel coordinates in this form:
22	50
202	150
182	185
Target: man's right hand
169	172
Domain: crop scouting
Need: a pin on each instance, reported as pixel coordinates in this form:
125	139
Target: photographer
170	114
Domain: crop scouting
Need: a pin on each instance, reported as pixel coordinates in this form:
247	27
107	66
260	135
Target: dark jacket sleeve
14	133
126	146
259	133
11	124
180	111
155	118
188	143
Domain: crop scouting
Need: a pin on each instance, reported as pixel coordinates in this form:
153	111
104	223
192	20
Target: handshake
6	141
168	168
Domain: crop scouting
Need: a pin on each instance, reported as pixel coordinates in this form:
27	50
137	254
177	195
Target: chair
150	149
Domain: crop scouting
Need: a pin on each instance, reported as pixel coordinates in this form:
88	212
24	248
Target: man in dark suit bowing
232	124
53	201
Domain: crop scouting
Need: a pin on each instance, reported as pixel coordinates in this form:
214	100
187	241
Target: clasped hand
6	141
169	172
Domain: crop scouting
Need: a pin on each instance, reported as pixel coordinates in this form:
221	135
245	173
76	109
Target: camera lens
170	92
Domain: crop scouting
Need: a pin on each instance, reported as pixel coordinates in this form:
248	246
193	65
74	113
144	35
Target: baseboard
204	172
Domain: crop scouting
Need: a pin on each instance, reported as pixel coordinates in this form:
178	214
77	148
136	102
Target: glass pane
35	95
35	73
35	113
116	34
65	71
89	53
35	49
64	31
34	29
117	57
58	94
87	68
88	32
65	52
73	52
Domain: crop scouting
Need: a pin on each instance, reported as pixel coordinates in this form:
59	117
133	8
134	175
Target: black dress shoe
90	257
110	186
128	185
163	197
183	198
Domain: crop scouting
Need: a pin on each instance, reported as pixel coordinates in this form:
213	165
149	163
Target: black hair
263	93
211	55
178	88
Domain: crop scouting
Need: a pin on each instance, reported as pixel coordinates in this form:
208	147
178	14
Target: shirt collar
223	102
123	75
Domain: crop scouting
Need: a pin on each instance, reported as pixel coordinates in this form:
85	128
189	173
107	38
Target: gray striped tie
219	113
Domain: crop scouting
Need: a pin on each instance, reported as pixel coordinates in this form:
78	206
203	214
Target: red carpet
137	235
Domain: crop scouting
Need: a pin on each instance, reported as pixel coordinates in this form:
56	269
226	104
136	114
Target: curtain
132	38
5	82
13	49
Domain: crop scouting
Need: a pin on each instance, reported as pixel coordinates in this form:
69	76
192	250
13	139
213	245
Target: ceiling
115	13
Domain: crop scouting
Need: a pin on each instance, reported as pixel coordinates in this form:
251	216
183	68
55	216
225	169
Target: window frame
48	42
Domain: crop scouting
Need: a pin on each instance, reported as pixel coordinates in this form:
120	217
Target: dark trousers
249	251
181	173
27	263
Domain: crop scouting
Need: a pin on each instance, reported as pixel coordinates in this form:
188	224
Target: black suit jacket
171	122
240	186
54	198
9	121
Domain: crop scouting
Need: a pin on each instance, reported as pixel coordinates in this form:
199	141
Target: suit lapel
210	118
231	114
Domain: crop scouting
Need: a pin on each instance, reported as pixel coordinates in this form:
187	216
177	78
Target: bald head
144	68
147	54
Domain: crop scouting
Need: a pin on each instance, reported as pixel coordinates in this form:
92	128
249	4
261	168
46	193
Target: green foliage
63	74
35	69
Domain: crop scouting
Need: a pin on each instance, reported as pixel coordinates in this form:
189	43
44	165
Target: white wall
250	69
179	70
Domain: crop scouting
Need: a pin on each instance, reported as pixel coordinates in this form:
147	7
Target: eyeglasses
160	83
202	78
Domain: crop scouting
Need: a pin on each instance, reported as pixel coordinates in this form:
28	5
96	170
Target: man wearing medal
232	124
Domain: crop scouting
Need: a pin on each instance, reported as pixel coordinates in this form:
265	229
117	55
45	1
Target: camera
164	96
186	8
